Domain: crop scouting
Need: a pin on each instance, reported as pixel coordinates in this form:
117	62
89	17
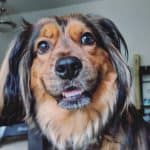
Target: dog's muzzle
72	96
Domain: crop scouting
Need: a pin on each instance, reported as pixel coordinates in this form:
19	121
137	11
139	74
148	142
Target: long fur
117	127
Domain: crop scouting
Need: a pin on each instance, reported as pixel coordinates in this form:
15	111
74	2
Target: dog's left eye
87	39
43	47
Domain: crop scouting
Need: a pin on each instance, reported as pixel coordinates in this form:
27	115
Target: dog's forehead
52	27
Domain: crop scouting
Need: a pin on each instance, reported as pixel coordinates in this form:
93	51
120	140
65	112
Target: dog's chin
74	98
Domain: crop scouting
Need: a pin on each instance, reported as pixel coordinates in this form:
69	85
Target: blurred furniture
19	132
144	74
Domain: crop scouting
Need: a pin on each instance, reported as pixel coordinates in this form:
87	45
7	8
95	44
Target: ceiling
21	6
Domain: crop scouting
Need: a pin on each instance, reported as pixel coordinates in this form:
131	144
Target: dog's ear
11	100
113	42
113	33
123	70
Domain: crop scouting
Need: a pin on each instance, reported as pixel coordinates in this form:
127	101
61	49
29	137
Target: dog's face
71	76
69	65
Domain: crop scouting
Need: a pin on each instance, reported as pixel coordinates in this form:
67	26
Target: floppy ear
114	34
115	50
113	42
11	104
123	70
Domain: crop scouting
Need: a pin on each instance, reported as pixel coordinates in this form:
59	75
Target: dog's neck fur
117	135
124	131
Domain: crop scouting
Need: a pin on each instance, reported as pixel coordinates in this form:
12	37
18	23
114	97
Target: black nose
68	67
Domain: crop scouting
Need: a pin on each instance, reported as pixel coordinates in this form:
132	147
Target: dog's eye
87	39
43	47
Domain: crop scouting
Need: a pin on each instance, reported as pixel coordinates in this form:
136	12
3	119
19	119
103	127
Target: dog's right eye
43	47
87	39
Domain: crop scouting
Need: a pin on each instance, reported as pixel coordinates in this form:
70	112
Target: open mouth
74	98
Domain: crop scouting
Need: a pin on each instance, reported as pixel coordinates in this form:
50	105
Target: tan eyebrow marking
75	31
50	31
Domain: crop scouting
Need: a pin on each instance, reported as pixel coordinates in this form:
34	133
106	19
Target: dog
68	76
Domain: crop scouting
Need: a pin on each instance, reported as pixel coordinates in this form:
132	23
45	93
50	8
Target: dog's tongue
71	93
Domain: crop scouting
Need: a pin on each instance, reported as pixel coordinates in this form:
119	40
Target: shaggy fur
30	87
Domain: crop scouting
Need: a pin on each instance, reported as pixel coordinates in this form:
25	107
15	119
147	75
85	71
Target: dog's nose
68	67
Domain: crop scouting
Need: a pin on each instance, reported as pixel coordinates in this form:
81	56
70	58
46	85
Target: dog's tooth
63	94
67	94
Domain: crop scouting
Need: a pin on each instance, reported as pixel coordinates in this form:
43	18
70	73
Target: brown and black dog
67	76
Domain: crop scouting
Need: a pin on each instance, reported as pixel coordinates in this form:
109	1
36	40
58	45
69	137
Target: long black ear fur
124	78
118	41
114	34
113	42
13	110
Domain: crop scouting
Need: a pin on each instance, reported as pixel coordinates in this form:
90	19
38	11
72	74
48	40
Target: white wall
131	16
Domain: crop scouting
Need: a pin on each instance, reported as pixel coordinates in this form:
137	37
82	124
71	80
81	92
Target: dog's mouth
74	98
